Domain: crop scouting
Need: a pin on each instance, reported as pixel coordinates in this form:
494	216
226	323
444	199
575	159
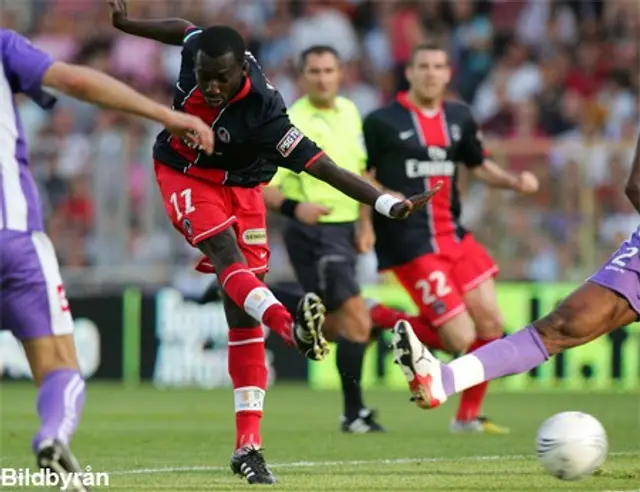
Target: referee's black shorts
324	259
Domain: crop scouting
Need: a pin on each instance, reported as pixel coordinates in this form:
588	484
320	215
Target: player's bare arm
362	191
98	88
492	174
632	188
167	31
305	212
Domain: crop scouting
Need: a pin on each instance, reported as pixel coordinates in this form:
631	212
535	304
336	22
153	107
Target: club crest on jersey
187	227
456	133
223	135
289	142
439	307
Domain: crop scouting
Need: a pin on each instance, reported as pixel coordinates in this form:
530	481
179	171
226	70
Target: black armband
288	207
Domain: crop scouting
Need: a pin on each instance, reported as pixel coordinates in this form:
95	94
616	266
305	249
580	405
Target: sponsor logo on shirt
290	141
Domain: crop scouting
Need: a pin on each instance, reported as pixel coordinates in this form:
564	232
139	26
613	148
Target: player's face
429	74
220	78
321	77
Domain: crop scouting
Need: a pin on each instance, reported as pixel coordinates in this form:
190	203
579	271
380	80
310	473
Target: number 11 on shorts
185	195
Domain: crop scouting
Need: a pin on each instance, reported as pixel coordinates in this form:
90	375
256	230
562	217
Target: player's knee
331	327
50	354
356	320
360	327
222	249
353	328
458	337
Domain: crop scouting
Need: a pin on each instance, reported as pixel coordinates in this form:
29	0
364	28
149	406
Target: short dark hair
426	46
216	41
317	49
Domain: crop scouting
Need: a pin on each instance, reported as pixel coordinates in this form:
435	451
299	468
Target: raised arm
632	189
167	31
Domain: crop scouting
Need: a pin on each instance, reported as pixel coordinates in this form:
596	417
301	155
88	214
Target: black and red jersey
253	133
409	151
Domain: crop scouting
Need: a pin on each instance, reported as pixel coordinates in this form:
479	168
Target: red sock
472	398
248	371
425	333
249	293
385	317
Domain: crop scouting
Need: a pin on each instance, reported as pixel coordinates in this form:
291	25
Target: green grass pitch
181	440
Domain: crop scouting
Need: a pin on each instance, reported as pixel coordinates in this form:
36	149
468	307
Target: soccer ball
571	445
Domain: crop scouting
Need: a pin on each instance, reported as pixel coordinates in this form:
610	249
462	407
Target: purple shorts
621	273
33	303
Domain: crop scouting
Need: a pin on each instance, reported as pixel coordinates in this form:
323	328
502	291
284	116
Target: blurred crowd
554	84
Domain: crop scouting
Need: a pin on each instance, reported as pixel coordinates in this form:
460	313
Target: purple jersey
23	67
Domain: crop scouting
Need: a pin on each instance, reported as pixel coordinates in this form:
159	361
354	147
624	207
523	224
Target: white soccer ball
571	445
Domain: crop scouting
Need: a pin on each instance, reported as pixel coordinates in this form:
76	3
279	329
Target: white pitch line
314	464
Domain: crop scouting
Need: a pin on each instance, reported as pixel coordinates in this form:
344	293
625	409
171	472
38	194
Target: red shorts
200	208
438	281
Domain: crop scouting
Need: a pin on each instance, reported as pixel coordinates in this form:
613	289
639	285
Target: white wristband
385	203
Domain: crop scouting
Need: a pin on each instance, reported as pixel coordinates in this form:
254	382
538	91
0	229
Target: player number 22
188	205
433	287
621	259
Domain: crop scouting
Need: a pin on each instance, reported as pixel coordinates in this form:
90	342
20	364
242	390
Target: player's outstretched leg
589	312
248	292
35	309
385	318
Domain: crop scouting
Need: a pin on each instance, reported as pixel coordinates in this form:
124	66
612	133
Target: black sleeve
282	144
472	153
373	140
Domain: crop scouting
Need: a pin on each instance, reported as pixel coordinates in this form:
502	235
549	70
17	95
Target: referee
327	229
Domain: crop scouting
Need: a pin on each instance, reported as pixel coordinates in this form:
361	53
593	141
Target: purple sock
514	354
447	380
60	400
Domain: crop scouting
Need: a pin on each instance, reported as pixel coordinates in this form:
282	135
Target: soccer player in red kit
413	143
216	202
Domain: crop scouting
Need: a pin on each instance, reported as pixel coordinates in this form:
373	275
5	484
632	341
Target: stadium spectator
556	92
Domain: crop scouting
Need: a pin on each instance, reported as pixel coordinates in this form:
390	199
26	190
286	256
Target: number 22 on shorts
182	198
433	287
